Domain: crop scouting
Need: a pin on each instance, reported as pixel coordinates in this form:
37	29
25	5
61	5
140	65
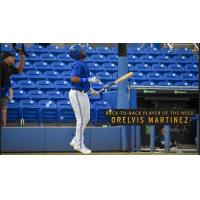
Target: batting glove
93	80
94	92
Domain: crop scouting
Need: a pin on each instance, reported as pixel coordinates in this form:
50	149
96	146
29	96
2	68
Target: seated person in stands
6	70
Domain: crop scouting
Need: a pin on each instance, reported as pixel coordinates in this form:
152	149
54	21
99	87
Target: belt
80	90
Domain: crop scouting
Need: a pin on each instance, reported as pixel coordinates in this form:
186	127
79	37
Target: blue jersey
80	69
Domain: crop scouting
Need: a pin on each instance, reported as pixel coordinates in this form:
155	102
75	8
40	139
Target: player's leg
75	99
4	110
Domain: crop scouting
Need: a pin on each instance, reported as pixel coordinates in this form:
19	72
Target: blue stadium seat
100	106
195	84
64	58
42	66
143	67
104	50
132	59
28	66
20	76
33	57
66	95
131	67
56	49
147	59
14	84
148	83
171	76
168	51
48	57
65	112
66	75
90	51
175	68
60	66
104	76
139	76
13	111
165	83
20	94
180	59
159	68
191	68
154	76
182	83
94	98
55	95
52	75
152	50
134	83
34	75
136	51
44	85
36	95
38	48
48	111
112	58
94	67
62	85
30	111
164	59
188	77
109	67
6	48
184	51
26	84
97	86
98	58
115	75
194	59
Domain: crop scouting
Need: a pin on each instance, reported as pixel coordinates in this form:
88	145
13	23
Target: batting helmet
77	52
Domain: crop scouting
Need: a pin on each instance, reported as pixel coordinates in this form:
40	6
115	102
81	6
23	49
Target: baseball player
78	95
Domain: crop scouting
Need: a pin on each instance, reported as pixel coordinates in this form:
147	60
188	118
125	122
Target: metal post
152	138
122	96
167	138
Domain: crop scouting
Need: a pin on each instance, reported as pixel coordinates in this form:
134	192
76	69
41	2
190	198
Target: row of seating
103	50
50	111
111	67
49	57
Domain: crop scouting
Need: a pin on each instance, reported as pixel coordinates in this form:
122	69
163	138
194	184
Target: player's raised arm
21	63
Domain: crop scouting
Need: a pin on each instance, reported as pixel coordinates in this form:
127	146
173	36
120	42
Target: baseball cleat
72	143
83	150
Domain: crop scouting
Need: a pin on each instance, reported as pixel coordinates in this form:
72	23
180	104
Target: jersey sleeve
15	70
76	70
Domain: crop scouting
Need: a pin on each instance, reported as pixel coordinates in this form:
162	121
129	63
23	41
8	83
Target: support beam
152	138
167	138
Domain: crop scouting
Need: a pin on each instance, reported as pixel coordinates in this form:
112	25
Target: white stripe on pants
81	106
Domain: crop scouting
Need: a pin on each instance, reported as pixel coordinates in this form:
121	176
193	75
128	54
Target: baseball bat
122	78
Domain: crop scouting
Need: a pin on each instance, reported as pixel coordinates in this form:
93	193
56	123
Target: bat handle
106	87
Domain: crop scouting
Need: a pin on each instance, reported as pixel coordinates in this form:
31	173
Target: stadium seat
38	48
104	76
148	83
6	48
168	51
175	68
62	85
143	67
90	51
188	77
94	67
134	83
104	50
159	68
30	111
28	66
182	83
98	58
147	59
66	75
139	76
171	76
100	107
112	58
54	95
183	51
13	111
193	59
64	58
26	84
97	86
56	49
164	59
33	57
52	75
180	59
65	112
44	85
109	67
14	84
131	67
191	68
154	76
132	59
42	66
48	57
136	51
48	111
60	66
94	98
19	94
195	84
34	75
152	51
17	77
36	95
165	83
